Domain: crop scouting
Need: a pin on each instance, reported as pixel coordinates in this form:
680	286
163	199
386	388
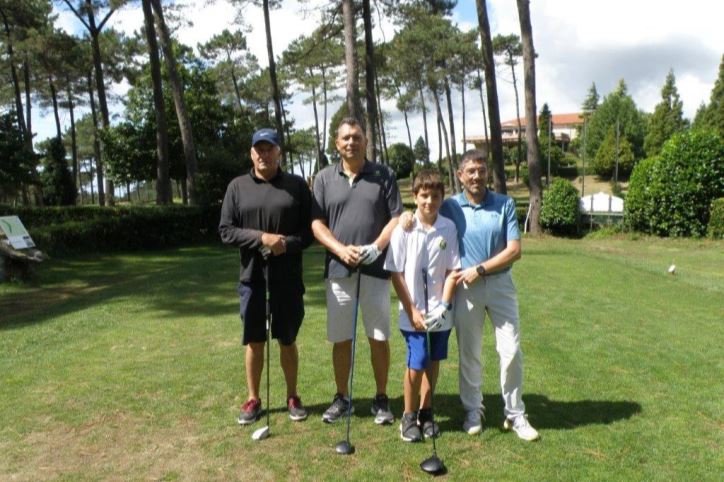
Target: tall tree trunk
453	160
381	117
28	104
324	117
56	114
128	191
424	119
531	132
14	76
496	137
96	145
485	117
234	79
519	154
462	96
404	112
316	125
163	183
274	83
350	60
370	82
73	143
101	88
441	126
187	135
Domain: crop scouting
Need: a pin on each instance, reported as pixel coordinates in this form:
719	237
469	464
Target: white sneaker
473	424
522	427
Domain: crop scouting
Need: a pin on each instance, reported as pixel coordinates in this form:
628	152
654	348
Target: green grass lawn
129	366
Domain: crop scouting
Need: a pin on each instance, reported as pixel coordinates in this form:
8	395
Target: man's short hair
428	179
478	155
350	121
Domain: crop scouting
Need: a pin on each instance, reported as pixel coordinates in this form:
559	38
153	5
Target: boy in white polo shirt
429	250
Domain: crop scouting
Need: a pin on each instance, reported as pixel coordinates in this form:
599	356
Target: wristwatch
480	270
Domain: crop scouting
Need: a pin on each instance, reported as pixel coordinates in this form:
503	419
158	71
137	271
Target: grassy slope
129	366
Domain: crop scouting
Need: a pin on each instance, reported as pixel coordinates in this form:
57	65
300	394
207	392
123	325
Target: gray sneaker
426	423
338	409
522	427
381	410
250	411
296	409
409	431
473	423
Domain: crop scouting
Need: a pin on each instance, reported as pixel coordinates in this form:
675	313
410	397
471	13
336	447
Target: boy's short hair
428	179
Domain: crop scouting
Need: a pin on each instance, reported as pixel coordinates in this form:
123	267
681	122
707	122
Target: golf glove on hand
437	317
369	253
265	251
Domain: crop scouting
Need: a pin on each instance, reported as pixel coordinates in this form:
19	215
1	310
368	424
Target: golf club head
261	433
344	448
433	465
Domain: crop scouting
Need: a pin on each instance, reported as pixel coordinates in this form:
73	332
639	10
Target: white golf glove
265	251
438	317
369	253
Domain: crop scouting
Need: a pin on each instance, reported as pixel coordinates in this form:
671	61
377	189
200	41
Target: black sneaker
381	410
409	431
338	409
250	411
296	409
428	426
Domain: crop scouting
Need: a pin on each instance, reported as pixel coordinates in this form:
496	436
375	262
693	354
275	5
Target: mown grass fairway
128	367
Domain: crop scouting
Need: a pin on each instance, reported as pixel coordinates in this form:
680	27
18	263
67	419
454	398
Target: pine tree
604	164
591	103
667	119
422	153
712	116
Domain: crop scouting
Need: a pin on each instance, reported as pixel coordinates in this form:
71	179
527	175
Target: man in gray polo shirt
355	207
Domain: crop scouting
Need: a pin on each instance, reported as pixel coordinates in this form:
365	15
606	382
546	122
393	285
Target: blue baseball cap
265	135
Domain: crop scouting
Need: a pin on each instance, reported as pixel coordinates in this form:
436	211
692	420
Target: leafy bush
671	194
58	185
401	159
93	229
716	219
560	209
604	164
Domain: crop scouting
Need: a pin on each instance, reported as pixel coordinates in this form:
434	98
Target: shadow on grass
192	281
544	413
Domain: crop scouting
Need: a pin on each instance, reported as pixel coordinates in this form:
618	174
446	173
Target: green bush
560	209
671	194
69	230
402	159
716	219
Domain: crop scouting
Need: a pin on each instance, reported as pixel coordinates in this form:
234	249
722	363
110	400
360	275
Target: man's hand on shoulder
407	221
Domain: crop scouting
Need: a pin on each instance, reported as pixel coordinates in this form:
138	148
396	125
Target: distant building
565	129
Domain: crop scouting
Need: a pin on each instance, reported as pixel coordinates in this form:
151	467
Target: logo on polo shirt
443	243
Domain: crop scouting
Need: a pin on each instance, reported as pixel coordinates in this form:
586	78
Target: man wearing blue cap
266	213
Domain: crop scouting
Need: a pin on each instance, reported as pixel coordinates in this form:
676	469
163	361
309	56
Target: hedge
716	219
84	229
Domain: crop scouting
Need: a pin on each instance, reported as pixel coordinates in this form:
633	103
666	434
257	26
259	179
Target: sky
579	42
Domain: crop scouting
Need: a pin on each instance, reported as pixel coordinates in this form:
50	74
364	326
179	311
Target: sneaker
296	409
250	411
381	410
338	409
522	427
473	424
409	431
426	423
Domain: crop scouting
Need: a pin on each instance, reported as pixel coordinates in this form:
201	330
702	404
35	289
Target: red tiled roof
558	119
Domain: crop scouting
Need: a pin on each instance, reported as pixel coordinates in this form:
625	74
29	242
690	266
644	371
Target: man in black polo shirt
266	213
355	207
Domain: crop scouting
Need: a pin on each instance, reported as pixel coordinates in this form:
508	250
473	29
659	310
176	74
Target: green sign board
16	233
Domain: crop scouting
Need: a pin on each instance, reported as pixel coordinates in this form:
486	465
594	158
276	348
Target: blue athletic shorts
417	347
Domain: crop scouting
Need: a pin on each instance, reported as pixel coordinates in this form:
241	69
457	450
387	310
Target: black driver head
433	466
344	448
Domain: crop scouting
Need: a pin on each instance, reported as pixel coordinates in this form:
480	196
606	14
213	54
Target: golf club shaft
429	363
354	344
268	336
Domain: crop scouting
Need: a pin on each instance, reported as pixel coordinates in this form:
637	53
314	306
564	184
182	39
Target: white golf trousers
495	294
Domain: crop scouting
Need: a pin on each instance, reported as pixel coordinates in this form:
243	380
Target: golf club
432	465
263	432
344	447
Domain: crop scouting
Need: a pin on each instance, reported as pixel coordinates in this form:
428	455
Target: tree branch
77	14
105	19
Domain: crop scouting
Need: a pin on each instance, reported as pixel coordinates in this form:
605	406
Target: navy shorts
287	311
417	347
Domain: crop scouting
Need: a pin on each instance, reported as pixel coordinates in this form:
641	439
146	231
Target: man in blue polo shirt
489	245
